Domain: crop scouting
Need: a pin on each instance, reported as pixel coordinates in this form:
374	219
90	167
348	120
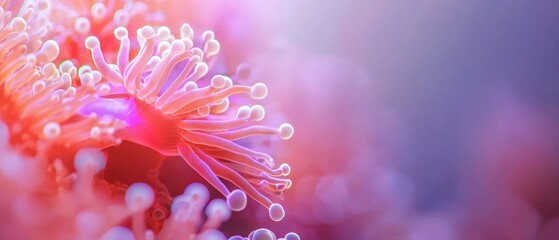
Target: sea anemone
158	96
52	109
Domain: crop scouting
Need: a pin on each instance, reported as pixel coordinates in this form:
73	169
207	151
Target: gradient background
440	118
421	120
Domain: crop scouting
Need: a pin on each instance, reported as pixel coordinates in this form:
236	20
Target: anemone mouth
147	126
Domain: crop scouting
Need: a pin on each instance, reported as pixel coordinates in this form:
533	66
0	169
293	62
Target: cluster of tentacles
162	98
175	108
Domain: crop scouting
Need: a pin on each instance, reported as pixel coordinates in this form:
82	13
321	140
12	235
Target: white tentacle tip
51	130
259	91
286	131
262	234
257	113
218	81
139	197
82	25
201	69
147	32
218	208
292	236
18	24
51	50
121	33
186	31
243	111
92	42
121	17
98	11
276	212
118	232
89	158
285	169
237	200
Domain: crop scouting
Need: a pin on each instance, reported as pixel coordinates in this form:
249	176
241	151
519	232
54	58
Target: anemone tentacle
40	101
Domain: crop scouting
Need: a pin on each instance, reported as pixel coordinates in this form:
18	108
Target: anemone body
168	108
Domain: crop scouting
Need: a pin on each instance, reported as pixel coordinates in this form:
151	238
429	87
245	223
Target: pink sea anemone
167	111
55	106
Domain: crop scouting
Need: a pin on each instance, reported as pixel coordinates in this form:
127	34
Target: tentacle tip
92	42
82	25
211	234
212	47
288	183
237	200
147	32
218	81
177	46
89	158
121	33
98	10
83	70
51	50
201	69
189	86
257	113
276	212
18	24
204	111
51	130
186	31
285	169
188	43
121	17
262	234
236	237
292	236
43	5
259	91
163	33
208	35
286	131
139	197
118	232
38	86
218	208
243	111
65	66
197	192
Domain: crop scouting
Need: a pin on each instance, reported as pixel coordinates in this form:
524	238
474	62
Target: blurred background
423	119
414	119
